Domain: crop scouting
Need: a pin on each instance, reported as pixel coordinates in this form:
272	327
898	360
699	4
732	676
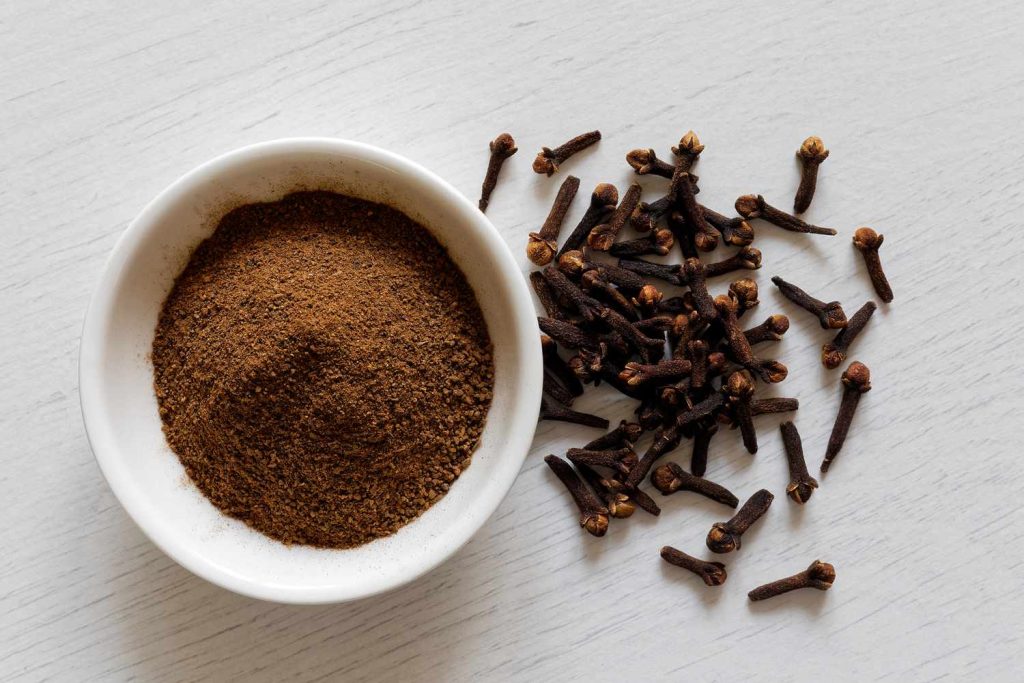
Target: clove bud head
642	161
539	250
721	539
858	377
744	291
571	263
503	146
813	150
545	162
749	257
596	523
689	144
800	491
740	384
866	239
821	575
648	296
750	205
605	194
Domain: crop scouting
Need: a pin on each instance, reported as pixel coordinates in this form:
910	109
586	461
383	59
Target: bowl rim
93	342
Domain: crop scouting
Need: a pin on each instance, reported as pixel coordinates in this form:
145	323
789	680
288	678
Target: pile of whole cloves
688	359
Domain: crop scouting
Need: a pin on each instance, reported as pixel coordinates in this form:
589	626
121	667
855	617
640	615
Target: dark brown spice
811	153
646	162
830	315
542	245
603	236
711	573
754	206
801	483
747	258
856	382
740	387
320	380
834	352
658	243
546	296
820	575
602	202
766	406
593	514
552	410
725	537
771	329
670	478
867	242
554	364
548	160
502	147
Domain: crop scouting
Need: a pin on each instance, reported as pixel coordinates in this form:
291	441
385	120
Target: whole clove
548	160
819	575
740	388
619	504
646	162
834	352
705	236
627	433
552	410
602	236
553	388
566	290
567	334
830	315
648	299
735	231
593	514
752	206
598	286
635	374
621	459
771	329
725	537
745	292
546	296
554	364
542	245
747	258
666	272
867	242
602	201
811	153
701	443
801	483
639	341
726	307
687	151
658	243
670	478
693	276
711	573
502	147
856	381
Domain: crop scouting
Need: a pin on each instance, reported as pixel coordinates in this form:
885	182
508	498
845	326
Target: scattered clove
856	381
502	147
597	285
754	206
747	258
771	329
566	290
552	410
867	242
621	459
627	433
670	478
735	231
687	151
766	406
811	153
554	364
546	296
830	315
542	245
693	276
593	515
665	272
602	201
548	160
820	575
701	443
567	334
619	504
740	388
635	374
834	352
801	483
646	162
604	235
712	573
725	537
658	243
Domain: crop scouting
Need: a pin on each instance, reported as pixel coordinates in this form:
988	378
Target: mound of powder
323	369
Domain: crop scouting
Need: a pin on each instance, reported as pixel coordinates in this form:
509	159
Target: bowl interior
120	405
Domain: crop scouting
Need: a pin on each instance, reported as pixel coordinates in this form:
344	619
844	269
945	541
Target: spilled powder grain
323	369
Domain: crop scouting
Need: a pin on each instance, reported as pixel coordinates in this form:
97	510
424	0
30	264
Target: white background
921	106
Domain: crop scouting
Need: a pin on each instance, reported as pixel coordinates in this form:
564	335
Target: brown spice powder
323	369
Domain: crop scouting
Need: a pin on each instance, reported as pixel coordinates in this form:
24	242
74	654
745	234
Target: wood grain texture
920	105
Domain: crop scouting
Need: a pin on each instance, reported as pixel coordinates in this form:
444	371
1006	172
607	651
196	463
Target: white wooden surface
921	105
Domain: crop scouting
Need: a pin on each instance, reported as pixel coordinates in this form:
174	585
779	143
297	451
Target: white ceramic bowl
120	408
